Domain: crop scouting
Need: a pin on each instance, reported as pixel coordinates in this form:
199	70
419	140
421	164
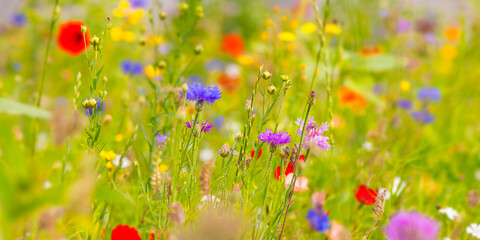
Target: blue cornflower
18	19
404	104
198	92
131	67
140	3
422	116
318	220
429	93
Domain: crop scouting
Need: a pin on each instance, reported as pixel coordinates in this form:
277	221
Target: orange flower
233	44
452	33
350	98
370	51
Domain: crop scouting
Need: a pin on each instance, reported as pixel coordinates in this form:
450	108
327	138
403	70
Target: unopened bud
142	42
161	65
198	49
199	106
84	29
89	103
311	100
238	137
184	88
272	90
162	15
95	41
225	151
183	6
284	77
105	79
266	75
199	11
248	106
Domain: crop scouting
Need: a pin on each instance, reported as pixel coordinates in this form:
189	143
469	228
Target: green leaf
13	107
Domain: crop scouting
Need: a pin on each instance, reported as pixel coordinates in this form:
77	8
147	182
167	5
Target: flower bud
89	103
103	94
199	11
161	65
272	90
284	77
238	137
198	49
273	147
109	24
197	130
287	84
183	6
199	106
266	75
184	88
95	41
311	100
84	29
248	106
142	42
162	15
225	151
105	79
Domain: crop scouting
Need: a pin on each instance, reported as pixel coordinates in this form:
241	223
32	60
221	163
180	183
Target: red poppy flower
288	170
365	195
70	38
301	159
125	232
229	83
252	153
233	44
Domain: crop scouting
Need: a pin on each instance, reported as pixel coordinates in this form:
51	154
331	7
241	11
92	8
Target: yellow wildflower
108	155
124	4
109	165
405	86
264	36
308	28
116	33
118	13
162	168
155	40
135	16
128	36
333	29
245	60
287	36
448	52
294	23
119	137
290	47
151	71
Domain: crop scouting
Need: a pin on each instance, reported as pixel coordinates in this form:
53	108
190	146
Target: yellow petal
135	16
128	36
116	33
162	168
245	60
448	52
124	4
118	13
151	71
287	36
333	29
405	86
119	137
308	28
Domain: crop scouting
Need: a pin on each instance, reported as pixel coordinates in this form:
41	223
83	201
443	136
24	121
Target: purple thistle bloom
198	92
206	126
423	116
403	25
89	112
279	138
413	226
18	19
161	139
404	104
318	220
429	93
313	134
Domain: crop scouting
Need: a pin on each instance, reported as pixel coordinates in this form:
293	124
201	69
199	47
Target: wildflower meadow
240	119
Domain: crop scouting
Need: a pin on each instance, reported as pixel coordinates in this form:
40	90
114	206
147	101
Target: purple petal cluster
423	116
161	139
140	3
413	226
198	92
405	104
313	134
279	138
429	93
18	20
206	126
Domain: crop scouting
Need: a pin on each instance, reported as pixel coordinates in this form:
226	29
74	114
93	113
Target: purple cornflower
206	126
161	139
89	112
404	104
18	19
429	93
131	67
423	116
276	139
313	134
412	226
318	220
403	25
198	92
140	3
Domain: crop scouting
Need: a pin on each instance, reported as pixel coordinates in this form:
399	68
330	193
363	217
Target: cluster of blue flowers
199	92
426	95
131	67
